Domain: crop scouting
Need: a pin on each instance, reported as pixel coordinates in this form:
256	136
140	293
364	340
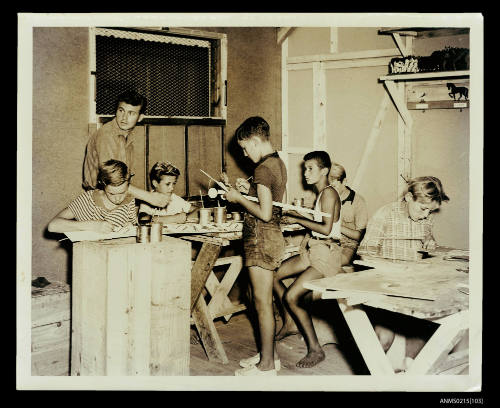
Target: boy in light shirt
163	177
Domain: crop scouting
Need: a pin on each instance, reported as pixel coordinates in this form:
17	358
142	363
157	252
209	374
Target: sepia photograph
208	196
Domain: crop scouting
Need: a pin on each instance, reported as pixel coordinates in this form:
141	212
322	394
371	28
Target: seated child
354	214
322	257
108	208
163	177
397	231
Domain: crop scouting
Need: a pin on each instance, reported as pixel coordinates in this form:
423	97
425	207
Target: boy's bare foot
286	331
311	359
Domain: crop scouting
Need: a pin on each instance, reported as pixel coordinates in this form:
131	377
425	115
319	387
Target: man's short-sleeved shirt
270	172
109	142
354	216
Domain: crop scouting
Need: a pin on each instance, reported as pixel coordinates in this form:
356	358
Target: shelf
463	104
423	32
425	75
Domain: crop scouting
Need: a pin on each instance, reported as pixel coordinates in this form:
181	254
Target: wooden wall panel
205	153
166	143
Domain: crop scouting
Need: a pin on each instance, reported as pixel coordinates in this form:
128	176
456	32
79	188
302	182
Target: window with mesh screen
174	73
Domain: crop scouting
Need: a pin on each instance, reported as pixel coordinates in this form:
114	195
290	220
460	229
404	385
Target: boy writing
263	241
320	258
107	208
397	231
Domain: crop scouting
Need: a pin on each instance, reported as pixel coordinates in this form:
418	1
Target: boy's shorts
323	255
263	242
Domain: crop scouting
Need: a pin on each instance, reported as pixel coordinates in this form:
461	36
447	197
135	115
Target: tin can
236	216
156	232
220	215
298	202
143	233
205	214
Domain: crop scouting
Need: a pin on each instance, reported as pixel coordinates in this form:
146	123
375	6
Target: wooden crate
50	329
131	307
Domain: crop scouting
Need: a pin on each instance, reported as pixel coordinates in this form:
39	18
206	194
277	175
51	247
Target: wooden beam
334	40
391	52
399	102
371	142
425	75
319	107
399	43
283	33
366	339
436	350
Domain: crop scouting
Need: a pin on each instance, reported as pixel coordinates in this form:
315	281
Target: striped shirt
85	208
392	234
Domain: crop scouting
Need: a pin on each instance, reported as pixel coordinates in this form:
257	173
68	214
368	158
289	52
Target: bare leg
290	267
262	285
293	296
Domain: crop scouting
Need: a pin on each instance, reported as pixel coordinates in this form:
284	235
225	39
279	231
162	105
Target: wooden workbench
433	289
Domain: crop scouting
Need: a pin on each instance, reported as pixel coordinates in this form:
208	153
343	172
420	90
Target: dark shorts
263	242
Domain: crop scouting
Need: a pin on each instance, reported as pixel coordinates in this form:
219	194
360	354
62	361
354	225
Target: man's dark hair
132	98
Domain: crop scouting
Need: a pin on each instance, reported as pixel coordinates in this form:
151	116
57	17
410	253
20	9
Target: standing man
115	140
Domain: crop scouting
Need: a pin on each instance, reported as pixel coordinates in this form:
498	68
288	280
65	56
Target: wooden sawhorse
202	276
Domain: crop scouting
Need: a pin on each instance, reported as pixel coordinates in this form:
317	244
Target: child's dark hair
254	126
161	169
321	157
337	172
112	172
132	98
427	188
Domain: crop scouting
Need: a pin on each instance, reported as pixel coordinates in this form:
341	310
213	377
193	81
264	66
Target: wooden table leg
203	320
208	333
366	339
220	304
436	350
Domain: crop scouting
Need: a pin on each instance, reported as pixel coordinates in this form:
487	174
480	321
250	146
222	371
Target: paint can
205	215
220	215
143	233
156	231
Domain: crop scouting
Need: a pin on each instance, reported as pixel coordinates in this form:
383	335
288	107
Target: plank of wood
139	330
50	305
436	350
459	358
366	339
54	362
170	300
117	308
207	331
51	336
201	269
